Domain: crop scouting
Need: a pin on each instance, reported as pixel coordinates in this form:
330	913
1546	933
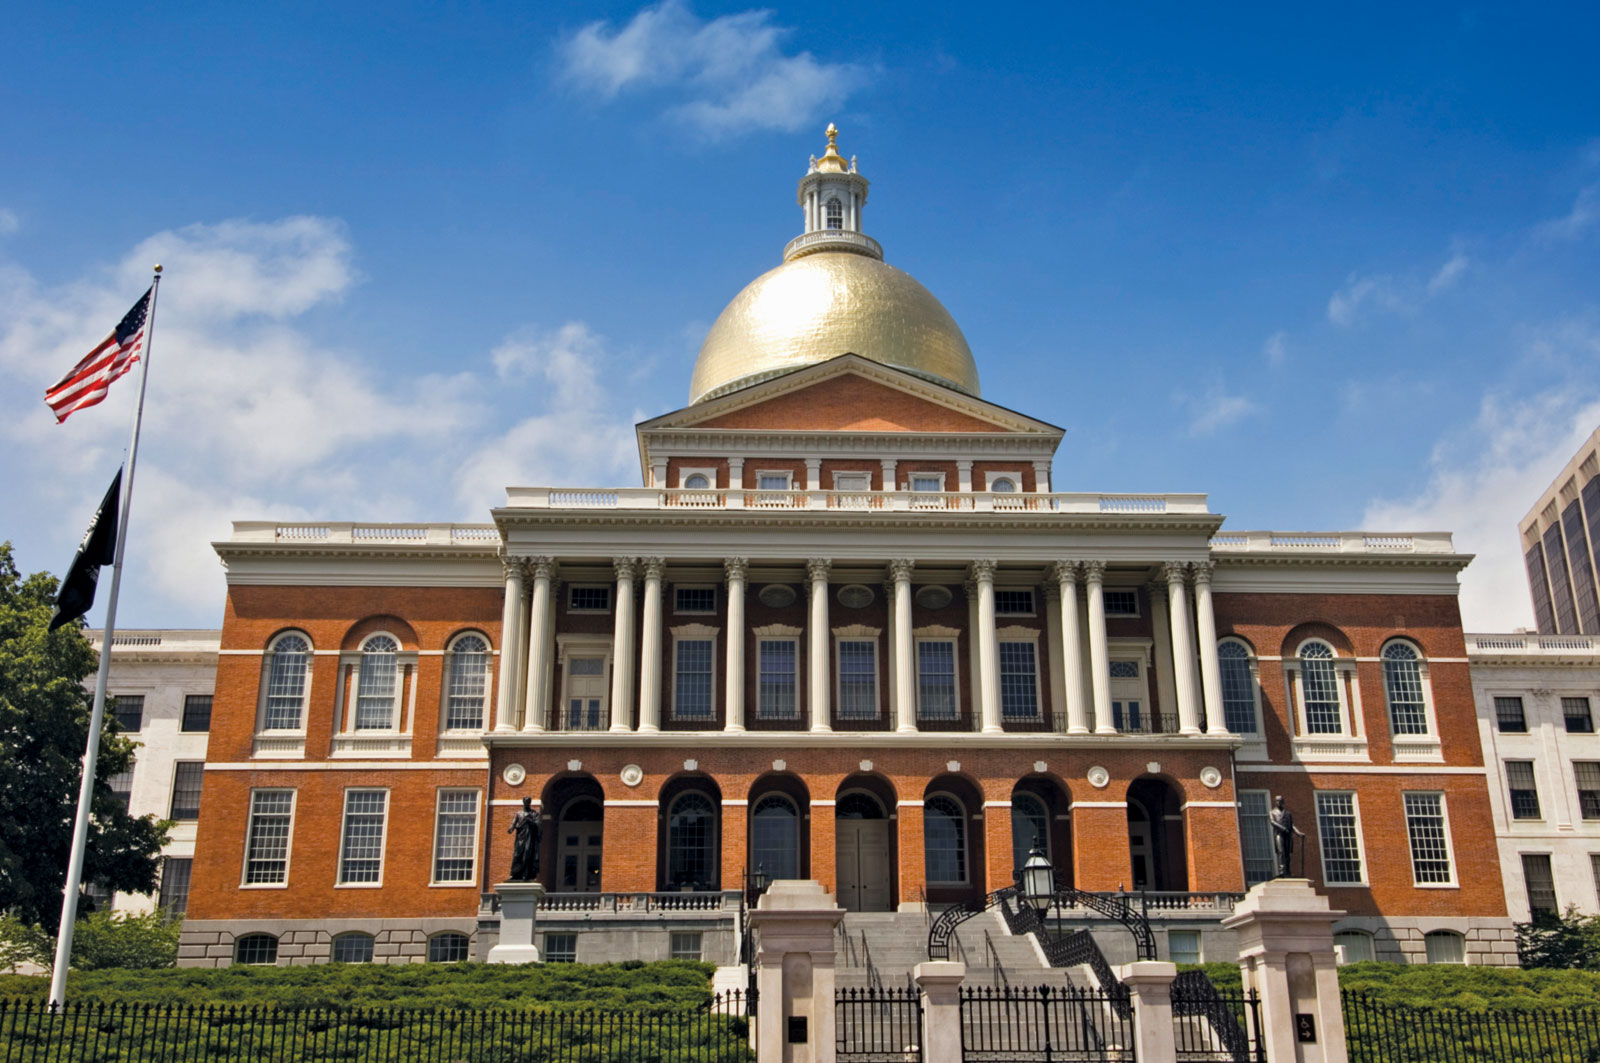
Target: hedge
1447	986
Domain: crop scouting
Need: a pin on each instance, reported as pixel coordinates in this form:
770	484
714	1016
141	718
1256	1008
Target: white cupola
831	197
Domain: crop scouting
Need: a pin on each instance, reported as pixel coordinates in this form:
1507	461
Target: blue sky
1336	268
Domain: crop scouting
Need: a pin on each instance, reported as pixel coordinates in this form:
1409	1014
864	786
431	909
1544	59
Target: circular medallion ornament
933	597
855	596
632	775
776	595
1211	777
513	774
1099	778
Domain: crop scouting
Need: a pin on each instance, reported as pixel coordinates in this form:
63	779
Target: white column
1071	652
539	643
813	474
1058	669
988	647
736	569
1041	477
650	647
974	669
1094	573
1210	667
658	473
622	655
1182	648
888	473
964	476
735	474
511	647
1162	671
821	688
905	670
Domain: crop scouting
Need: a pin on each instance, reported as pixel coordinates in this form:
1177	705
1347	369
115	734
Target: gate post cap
939	973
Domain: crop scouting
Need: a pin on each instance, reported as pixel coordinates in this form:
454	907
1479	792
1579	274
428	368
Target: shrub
100	941
1570	941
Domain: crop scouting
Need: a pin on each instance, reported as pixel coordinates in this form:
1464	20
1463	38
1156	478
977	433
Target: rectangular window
1255	836
772	481
858	679
1509	717
936	680
1430	839
455	836
588	599
1540	882
1019	687
852	481
174	899
129	710
1121	603
1013	603
776	681
686	945
561	948
361	844
1587	773
1183	946
1576	712
1524	791
1319	681
694	599
197	712
927	482
121	785
186	789
266	859
1339	833
691	696
1594	866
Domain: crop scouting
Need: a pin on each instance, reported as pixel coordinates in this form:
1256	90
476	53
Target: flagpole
91	753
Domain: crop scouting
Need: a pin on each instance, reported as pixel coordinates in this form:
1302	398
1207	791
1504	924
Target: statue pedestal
519	905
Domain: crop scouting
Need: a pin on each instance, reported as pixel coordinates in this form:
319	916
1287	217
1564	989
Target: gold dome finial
832	161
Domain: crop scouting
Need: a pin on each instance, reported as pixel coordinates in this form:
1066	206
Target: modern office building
1561	545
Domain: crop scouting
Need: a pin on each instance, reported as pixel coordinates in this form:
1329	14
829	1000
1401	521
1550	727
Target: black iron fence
1043	1024
880	1024
1386	1033
31	1032
1211	1025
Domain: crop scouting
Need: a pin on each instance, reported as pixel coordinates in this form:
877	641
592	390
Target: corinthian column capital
625	567
1202	572
736	567
983	571
1094	571
654	567
1064	572
900	569
1176	571
542	567
513	566
817	569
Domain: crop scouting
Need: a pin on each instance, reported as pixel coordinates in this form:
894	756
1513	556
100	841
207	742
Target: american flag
92	377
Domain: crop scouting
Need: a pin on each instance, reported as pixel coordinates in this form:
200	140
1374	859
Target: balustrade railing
667	901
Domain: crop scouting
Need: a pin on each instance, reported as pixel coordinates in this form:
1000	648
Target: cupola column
1182	648
821	689
650	647
539	643
736	569
1072	647
1094	574
988	647
1210	666
511	647
622	655
905	691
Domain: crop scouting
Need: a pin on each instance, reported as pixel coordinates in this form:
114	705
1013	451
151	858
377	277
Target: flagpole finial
158	267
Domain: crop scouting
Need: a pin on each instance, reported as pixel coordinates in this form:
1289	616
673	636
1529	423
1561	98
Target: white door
863	863
586	694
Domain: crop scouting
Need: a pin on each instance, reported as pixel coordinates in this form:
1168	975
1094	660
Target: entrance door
579	848
1139	849
586	694
863	863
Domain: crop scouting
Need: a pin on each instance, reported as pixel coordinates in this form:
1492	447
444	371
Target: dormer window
835	213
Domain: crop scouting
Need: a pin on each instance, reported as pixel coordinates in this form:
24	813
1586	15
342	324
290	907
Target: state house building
850	628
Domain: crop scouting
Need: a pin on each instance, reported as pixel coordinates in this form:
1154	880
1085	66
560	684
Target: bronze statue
525	848
1283	836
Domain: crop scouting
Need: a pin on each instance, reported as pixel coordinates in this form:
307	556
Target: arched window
775	837
1320	688
1238	687
1445	946
1030	825
697	482
857	805
377	693
1357	945
468	684
835	213
448	947
692	842
256	949
1003	483
1402	684
286	684
944	831
352	948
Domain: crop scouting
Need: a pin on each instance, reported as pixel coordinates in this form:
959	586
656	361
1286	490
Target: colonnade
528	624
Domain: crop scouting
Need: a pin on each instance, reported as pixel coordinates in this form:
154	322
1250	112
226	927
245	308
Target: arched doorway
1039	812
574	843
953	840
690	839
864	845
1155	836
780	838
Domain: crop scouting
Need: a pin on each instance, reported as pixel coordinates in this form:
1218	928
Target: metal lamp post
1038	880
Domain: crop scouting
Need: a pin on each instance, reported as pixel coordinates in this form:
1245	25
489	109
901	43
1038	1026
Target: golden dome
825	304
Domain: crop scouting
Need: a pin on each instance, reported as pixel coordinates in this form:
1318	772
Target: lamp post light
1038	881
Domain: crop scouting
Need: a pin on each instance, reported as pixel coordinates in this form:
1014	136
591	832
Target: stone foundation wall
210	942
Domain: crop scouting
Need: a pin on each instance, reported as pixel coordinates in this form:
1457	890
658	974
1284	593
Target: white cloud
725	76
9	222
1449	273
1214	409
1584	213
1379	290
1276	348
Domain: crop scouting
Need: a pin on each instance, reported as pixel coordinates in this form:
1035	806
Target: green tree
1569	941
44	721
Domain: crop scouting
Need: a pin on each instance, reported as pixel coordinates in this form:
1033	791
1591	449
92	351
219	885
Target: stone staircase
882	948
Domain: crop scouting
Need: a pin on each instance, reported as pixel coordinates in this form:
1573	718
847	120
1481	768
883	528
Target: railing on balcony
888	501
1145	722
581	718
880	722
1046	723
1536	645
944	723
670	901
1344	542
800	721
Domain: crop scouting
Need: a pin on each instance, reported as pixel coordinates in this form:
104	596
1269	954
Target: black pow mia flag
99	547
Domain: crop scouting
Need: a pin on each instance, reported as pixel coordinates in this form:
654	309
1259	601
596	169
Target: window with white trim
927	481
186	780
1238	687
378	685
692	846
1255	837
835	213
448	947
129	711
455	836
266	849
685	945
1403	686
1004	482
1321	692
467	688
1011	601
1539	879
1183	946
1575	713
1357	945
777	679
361	837
775	837
1120	603
288	675
944	831
852	481
354	947
1587	775
1019	681
1339	834
774	480
173	899
693	695
697	481
1429	833
936	680
1445	946
589	598
858	678
1509	717
255	949
1522	789
694	599
561	948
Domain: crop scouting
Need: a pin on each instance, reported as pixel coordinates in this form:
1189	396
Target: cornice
1449	562
350	551
525	517
706	741
744	442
